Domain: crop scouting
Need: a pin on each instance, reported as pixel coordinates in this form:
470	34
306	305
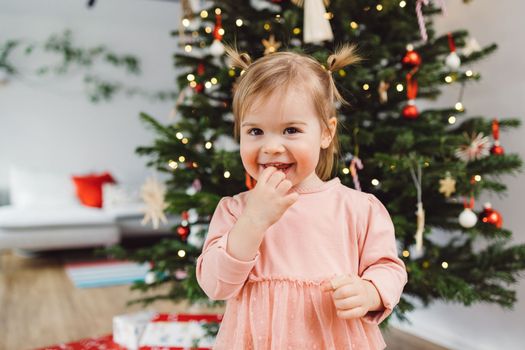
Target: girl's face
283	130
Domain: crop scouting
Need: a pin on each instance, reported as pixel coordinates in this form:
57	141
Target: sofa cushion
38	188
89	188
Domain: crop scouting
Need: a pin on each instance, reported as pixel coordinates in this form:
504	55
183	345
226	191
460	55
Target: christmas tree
427	165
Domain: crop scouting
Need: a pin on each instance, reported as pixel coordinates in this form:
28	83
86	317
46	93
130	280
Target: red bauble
183	231
497	149
491	216
411	59
200	69
199	87
410	111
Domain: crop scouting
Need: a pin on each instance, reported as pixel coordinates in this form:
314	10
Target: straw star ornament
153	193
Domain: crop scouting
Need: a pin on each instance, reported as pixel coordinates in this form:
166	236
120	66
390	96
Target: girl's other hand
353	297
269	199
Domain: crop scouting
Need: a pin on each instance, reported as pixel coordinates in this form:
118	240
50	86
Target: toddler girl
303	261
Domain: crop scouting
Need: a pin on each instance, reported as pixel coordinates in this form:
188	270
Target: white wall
51	124
500	93
48	122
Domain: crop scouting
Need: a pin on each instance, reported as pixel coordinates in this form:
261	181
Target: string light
328	15
207	84
469	73
477	178
379	7
213	81
173	164
182	159
238	22
185	140
406	253
451	119
267	26
179	135
227	174
444	264
185	22
204	14
221	31
402	4
195	165
342	73
459	106
181	253
208	145
193	84
218	11
399	87
207	30
354	25
296	31
426	164
375	182
187	48
231	73
448	79
190	77
346	171
366	87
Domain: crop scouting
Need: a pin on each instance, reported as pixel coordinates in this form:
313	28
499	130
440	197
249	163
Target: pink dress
275	301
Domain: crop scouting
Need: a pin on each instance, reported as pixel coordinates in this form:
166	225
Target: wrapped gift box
127	329
178	332
100	343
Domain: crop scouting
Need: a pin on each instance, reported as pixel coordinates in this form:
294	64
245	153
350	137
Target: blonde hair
279	70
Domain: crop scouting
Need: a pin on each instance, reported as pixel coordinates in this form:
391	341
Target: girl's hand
353	297
269	199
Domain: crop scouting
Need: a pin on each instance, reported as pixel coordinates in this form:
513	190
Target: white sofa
56	228
45	214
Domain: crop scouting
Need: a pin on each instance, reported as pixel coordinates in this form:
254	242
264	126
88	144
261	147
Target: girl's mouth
284	167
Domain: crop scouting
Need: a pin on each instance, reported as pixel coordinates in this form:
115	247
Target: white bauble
150	278
190	191
467	218
194	239
453	61
193	215
217	48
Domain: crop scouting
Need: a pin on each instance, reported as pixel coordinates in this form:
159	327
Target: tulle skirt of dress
281	313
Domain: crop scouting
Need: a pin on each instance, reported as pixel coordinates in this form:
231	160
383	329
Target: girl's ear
328	133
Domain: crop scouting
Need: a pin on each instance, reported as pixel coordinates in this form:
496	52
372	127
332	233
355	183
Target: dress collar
317	187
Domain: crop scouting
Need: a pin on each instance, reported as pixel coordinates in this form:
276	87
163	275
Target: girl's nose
272	146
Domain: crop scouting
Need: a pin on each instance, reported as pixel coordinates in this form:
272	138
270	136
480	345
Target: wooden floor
39	307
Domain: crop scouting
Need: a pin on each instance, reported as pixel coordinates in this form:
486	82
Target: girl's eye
291	130
255	131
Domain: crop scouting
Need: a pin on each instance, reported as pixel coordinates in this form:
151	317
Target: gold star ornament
270	45
447	186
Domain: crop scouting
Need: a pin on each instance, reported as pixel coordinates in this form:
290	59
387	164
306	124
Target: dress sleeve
219	274
379	262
